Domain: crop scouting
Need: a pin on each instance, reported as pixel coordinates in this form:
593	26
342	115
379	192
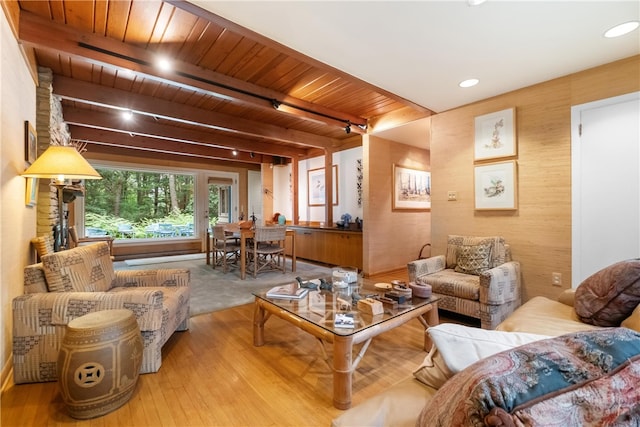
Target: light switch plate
452	195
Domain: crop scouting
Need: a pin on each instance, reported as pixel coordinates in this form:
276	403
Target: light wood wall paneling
391	238
539	231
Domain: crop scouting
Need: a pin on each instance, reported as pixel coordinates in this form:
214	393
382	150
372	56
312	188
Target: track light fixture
274	102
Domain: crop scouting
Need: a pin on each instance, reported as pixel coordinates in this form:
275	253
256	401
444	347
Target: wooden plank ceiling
219	95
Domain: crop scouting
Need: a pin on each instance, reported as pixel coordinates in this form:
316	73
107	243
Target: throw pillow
461	346
473	259
609	296
82	269
589	375
633	321
498	248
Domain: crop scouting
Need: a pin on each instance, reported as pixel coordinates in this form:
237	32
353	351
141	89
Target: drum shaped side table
99	362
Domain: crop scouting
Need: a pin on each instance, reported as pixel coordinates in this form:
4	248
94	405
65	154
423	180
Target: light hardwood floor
212	375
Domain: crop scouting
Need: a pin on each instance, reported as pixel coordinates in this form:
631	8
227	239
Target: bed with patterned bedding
584	378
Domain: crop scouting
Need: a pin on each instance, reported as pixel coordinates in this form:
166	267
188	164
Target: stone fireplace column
52	130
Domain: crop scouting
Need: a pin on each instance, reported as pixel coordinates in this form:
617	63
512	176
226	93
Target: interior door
605	184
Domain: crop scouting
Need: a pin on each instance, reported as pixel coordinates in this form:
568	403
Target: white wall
283	191
17	222
347	186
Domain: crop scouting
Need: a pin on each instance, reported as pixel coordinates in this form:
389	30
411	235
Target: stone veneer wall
51	130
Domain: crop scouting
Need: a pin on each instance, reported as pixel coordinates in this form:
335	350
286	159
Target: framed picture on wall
31	192
316	186
495	135
411	189
30	143
496	186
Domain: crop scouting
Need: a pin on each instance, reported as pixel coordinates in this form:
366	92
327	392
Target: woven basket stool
99	362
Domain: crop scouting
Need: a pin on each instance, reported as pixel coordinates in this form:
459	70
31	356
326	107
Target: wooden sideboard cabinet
329	245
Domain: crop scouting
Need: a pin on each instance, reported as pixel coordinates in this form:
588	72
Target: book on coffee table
291	291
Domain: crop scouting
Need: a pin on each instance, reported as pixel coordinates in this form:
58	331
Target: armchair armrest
153	278
500	284
35	314
422	267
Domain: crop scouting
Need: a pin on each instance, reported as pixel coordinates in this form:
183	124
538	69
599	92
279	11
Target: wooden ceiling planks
222	69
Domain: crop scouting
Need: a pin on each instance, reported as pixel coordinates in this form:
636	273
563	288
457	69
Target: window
129	204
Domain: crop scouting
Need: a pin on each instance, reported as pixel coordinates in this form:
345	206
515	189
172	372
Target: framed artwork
495	135
496	186
316	185
31	193
30	143
411	189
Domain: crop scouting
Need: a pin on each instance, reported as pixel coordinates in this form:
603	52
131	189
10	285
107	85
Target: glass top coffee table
316	314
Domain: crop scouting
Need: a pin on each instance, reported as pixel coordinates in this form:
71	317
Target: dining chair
226	249
75	241
268	249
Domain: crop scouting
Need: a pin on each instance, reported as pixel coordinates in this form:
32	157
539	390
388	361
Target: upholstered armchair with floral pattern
475	278
72	283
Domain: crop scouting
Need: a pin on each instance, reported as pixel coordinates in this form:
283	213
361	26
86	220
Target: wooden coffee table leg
259	319
342	372
430	318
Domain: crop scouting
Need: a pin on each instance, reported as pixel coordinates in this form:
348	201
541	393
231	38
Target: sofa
509	376
74	282
476	278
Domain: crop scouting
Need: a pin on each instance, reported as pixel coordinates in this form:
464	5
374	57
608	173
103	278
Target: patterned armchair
476	278
72	283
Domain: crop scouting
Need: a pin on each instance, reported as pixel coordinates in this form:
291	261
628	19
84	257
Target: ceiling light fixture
234	152
164	64
475	2
127	115
469	83
622	29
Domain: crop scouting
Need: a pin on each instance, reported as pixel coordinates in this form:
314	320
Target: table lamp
61	163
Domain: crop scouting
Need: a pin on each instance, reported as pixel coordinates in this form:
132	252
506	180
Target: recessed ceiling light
468	82
164	64
475	2
127	114
622	29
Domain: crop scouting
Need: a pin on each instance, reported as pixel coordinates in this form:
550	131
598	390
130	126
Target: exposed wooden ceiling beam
225	23
109	52
114	123
155	145
94	94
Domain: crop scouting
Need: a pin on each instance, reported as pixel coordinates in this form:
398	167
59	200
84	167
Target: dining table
245	235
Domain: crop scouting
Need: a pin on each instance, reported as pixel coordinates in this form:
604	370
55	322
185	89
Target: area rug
213	290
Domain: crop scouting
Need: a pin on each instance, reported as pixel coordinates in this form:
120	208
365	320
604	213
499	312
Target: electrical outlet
452	195
556	279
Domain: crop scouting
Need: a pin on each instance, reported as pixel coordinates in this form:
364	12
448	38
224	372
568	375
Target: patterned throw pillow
84	269
473	259
498	248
